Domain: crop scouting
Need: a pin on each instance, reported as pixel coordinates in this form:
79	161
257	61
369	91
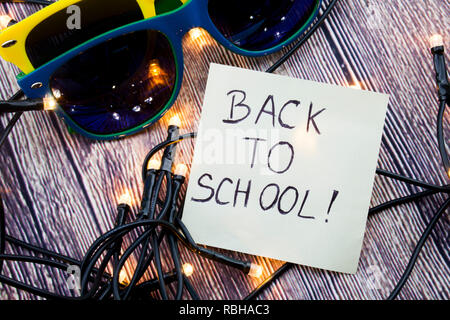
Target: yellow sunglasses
43	28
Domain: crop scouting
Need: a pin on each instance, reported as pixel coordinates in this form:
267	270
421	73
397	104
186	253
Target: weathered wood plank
60	190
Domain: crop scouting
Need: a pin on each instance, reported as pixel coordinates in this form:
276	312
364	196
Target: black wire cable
414	182
443	90
418	249
22	106
177	183
440	137
17	96
402	200
268	281
2	233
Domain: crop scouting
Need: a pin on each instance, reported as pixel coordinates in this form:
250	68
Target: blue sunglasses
122	81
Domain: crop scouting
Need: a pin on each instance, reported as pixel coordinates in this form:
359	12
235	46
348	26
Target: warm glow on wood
175	121
436	41
198	35
49	103
4	21
154	164
125	198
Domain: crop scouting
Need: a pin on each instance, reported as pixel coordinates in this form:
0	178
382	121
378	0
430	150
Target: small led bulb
436	41
198	36
355	86
175	121
49	103
188	269
123	277
181	170
195	33
125	198
154	164
255	270
4	21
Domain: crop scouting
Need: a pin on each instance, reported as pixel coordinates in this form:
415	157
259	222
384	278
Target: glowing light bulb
155	69
180	170
255	270
188	269
198	35
123	277
4	21
436	40
175	121
195	33
49	103
355	86
125	198
154	164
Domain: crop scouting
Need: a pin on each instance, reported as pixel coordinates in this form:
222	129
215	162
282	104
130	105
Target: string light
198	35
4	21
436	40
49	103
125	198
256	271
154	164
181	170
188	269
123	278
175	121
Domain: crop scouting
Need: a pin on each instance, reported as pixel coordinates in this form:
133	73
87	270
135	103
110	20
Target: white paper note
284	168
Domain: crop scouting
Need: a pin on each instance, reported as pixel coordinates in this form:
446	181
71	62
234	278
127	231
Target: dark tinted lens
119	84
257	25
59	32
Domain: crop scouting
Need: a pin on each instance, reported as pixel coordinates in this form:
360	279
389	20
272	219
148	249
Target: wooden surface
60	190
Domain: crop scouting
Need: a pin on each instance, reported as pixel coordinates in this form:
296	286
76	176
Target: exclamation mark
335	194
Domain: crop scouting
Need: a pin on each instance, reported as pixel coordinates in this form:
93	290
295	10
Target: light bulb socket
169	152
441	74
437	50
123	211
146	204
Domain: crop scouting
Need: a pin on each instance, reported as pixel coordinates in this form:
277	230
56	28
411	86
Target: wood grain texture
60	190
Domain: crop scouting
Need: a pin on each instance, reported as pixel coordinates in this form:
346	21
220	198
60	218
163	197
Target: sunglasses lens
76	24
117	85
256	25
